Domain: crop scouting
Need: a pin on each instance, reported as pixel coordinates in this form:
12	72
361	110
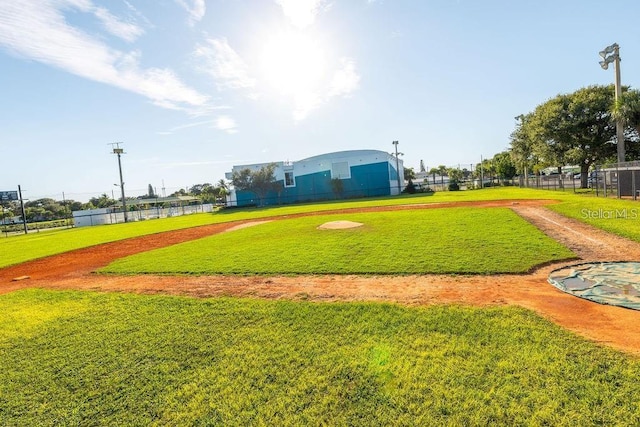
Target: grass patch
117	359
451	240
621	217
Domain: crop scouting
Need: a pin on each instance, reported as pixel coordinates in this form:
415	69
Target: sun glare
293	64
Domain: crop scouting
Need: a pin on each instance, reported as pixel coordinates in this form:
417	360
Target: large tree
576	128
521	151
259	182
504	165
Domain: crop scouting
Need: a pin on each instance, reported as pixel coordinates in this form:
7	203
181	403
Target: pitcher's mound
338	225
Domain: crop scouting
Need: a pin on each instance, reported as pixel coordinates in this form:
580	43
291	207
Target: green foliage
82	358
455	174
259	182
628	109
410	188
476	241
337	186
504	165
576	128
103	201
409	174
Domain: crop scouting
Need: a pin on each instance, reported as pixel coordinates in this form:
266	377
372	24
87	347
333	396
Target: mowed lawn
447	240
85	358
17	249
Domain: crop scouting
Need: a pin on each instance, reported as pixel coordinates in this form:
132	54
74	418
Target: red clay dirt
614	326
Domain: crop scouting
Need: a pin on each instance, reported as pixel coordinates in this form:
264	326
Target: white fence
106	216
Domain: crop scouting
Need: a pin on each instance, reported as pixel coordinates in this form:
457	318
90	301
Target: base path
614	326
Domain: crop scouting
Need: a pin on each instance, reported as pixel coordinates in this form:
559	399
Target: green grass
117	359
23	248
621	217
448	240
17	249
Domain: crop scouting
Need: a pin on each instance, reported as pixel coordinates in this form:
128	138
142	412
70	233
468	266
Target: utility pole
24	216
397	166
117	150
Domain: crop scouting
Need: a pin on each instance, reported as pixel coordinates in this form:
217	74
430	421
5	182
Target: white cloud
126	31
195	8
185	126
221	62
301	13
39	31
345	80
304	103
226	123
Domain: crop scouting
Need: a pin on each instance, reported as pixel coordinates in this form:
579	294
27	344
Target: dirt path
614	326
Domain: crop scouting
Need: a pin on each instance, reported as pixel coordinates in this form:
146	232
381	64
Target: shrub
410	188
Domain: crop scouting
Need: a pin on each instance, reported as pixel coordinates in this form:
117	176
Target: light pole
117	150
397	166
612	54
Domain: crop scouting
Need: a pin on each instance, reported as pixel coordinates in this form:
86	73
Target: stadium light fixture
117	150
611	54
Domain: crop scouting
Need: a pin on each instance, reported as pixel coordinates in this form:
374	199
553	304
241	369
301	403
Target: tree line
579	129
47	209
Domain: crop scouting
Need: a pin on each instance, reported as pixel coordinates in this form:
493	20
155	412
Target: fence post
617	181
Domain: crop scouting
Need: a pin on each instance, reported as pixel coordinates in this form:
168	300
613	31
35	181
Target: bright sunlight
294	65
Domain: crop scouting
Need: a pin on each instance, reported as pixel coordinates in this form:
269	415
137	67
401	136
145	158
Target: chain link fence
612	180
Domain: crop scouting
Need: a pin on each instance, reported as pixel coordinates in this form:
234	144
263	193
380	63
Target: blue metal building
343	174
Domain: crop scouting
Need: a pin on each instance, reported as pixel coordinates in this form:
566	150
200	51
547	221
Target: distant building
344	174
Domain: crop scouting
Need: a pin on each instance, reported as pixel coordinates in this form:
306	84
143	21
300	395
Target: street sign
8	195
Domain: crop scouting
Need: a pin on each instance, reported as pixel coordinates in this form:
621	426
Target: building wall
364	173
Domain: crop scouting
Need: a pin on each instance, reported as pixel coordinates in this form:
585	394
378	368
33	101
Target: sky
190	88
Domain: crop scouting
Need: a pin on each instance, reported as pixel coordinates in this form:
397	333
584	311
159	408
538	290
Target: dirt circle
614	326
339	225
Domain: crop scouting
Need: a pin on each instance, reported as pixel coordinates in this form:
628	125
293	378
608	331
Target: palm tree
628	109
433	172
442	170
223	190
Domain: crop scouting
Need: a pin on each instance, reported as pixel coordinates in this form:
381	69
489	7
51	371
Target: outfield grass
84	358
448	240
17	249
